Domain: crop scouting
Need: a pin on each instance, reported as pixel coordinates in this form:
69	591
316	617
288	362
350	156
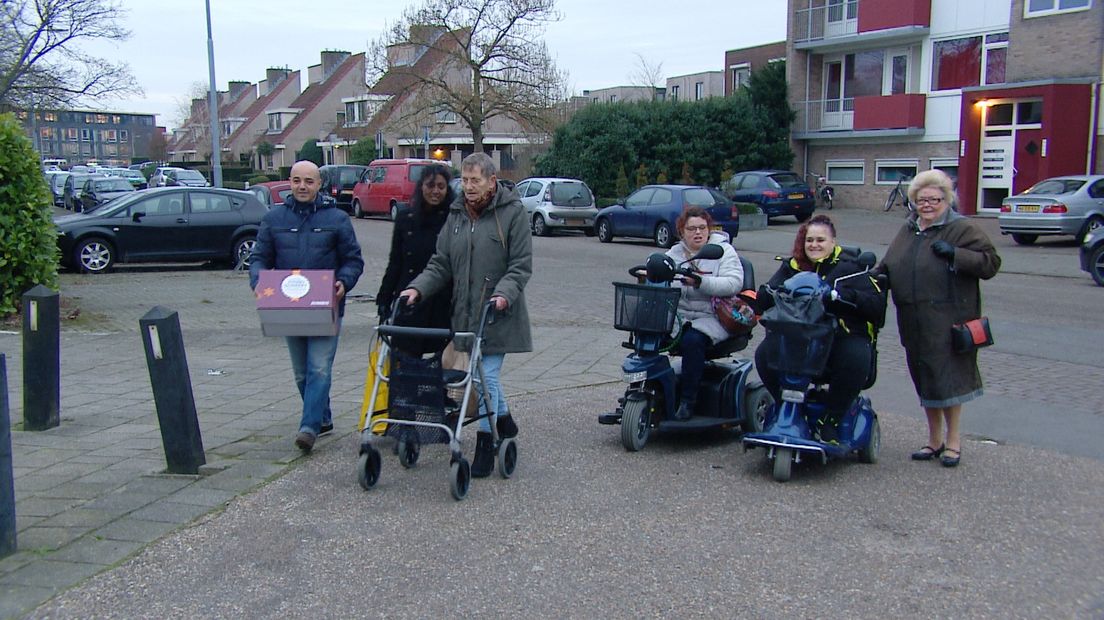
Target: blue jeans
492	368
312	362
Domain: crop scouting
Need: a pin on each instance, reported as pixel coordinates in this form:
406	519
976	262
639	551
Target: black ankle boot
685	410
506	426
483	463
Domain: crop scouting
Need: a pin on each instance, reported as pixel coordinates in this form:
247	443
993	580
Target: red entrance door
1028	153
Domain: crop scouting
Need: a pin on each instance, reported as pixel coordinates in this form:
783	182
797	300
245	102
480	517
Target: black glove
943	250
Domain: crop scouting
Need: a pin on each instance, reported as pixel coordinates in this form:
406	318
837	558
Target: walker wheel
507	457
408	453
459	478
368	468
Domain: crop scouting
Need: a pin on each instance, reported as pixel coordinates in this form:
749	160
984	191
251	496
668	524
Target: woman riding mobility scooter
801	326
729	394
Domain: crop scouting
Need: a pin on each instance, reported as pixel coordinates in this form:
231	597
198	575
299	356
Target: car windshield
415	173
571	194
698	197
59	180
132	174
1056	186
113	184
190	175
348	176
787	179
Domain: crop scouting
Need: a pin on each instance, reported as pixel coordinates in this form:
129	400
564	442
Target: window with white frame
124	135
446	116
949	165
889	171
275	122
741	75
674	92
86	135
969	61
845	172
1038	8
867	73
699	91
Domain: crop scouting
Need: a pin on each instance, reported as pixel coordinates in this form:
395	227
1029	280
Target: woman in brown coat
934	266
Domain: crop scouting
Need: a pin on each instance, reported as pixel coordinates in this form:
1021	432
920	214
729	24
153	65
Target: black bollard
41	359
7	479
172	390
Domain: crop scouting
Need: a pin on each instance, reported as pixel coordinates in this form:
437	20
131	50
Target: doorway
1010	150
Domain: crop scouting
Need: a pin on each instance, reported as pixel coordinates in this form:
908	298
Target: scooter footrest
696	423
609	418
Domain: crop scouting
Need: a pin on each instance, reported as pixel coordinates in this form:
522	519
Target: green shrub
258	178
602	203
747	208
28	247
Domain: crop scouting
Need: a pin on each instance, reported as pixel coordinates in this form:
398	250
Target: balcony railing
820	22
825	115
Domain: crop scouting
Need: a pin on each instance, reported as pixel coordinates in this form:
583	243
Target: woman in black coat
413	242
848	368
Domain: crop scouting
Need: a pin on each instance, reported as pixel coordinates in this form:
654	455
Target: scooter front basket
644	309
802	348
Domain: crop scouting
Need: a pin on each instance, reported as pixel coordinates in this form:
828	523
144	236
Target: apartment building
696	86
77	136
997	93
741	63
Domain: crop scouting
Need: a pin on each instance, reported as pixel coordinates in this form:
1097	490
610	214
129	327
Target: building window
699	91
845	172
1037	8
889	171
741	75
446	116
85	135
675	93
45	133
969	61
947	165
71	134
275	122
108	135
49	117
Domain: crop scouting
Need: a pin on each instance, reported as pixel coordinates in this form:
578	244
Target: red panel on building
889	112
883	14
1060	146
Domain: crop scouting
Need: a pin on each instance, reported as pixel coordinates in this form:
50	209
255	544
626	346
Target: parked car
387	184
777	192
170	224
56	182
74	183
134	177
338	182
157	179
651	211
1067	205
97	191
558	204
185	177
1092	255
271	193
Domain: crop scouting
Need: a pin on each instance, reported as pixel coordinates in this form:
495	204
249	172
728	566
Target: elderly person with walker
934	265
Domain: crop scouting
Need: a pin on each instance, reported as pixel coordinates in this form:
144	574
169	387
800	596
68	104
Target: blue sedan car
777	192
650	213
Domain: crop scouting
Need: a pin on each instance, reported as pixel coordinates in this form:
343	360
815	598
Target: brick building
78	136
741	63
997	93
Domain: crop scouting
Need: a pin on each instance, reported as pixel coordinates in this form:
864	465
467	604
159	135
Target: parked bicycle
899	195
825	194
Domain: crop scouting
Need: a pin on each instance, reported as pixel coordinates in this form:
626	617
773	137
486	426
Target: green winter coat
491	256
932	294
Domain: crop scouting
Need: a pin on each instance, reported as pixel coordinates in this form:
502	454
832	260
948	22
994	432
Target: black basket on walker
416	392
644	309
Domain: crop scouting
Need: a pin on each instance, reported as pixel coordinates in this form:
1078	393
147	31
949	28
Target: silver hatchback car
558	204
1069	205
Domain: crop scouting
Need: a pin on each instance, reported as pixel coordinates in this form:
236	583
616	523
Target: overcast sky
594	42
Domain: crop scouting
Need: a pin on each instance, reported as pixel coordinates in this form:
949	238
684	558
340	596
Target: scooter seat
727	347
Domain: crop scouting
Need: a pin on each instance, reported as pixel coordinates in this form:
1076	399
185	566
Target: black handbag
970	336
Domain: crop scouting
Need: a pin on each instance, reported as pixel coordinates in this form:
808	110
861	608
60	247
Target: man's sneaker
326	428
304	441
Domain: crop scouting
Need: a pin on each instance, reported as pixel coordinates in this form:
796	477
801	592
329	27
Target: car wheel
93	255
394	213
605	230
540	227
1024	239
358	213
243	251
1096	264
1093	223
801	217
663	236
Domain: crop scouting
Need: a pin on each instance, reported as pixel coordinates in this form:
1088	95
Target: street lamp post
212	104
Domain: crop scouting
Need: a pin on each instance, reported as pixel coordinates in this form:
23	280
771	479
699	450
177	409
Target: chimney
237	88
331	60
273	77
408	52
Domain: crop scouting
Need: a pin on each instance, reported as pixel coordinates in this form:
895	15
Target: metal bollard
172	390
41	359
7	479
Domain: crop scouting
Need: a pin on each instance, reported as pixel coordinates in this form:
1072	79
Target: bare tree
41	62
192	115
493	61
645	74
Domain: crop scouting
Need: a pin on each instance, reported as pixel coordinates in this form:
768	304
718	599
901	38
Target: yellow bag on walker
379	410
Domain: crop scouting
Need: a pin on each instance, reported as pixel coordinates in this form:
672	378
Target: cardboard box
297	302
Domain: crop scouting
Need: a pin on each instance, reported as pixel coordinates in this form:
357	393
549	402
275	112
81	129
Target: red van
386	184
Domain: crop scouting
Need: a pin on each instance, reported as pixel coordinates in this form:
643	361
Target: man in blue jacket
307	233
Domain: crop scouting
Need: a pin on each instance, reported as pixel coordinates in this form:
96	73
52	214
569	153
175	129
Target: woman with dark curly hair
412	244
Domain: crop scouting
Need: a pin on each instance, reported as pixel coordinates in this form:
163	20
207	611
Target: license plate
1027	208
576	222
796	196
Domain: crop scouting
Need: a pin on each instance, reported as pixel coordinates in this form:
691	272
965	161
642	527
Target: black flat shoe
951	461
927	453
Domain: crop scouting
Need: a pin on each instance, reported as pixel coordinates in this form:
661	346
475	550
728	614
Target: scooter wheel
757	405
635	425
783	461
869	453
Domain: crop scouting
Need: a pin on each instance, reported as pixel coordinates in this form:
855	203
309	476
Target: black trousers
847	370
692	348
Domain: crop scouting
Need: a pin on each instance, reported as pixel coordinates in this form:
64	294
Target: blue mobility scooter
805	330
730	395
